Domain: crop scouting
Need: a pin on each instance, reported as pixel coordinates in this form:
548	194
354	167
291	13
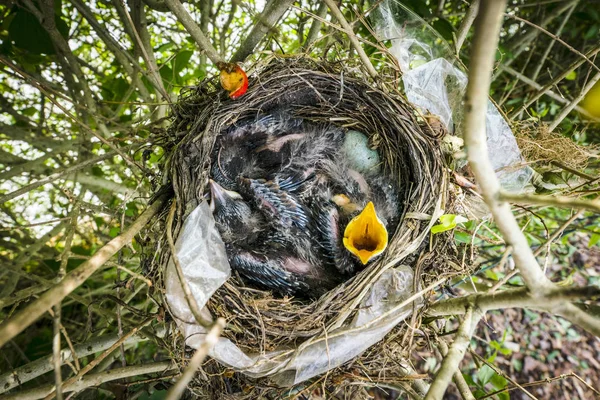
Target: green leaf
498	382
114	231
571	76
448	221
181	60
485	374
595	238
444	28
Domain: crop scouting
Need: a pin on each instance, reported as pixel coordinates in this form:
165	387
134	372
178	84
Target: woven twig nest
259	322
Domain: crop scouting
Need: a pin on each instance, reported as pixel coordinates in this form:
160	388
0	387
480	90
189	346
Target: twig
352	36
187	293
96	380
463	31
14	325
32	370
538	251
57	175
540	382
33	82
194	30
101	357
557	201
274	10
519	298
499	372
563	114
315	27
542	60
211	338
557	79
455	354
559	40
543	90
459	379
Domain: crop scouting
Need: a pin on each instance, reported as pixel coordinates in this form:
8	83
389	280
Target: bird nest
259	322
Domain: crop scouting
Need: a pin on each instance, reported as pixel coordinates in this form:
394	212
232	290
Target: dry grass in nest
539	145
314	91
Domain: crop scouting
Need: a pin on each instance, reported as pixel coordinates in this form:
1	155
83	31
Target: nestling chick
236	221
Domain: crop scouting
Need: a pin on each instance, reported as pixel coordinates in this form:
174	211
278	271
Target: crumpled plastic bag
435	82
203	260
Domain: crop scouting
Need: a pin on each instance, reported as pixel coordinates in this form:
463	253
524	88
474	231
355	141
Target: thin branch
315	27
456	353
187	293
556	80
567	110
21	320
556	201
459	379
194	30
97	379
210	340
352	36
518	298
32	370
559	40
273	11
543	91
32	81
463	31
57	175
577	315
542	60
89	366
487	28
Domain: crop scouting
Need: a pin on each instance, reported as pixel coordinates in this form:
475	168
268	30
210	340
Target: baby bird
281	260
354	213
297	217
235	220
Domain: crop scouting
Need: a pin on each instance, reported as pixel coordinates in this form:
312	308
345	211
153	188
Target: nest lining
316	92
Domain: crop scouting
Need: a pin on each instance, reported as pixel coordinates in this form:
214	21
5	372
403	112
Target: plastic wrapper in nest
203	260
435	82
322	334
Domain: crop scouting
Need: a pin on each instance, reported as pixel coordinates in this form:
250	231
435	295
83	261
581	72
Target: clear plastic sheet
435	82
203	260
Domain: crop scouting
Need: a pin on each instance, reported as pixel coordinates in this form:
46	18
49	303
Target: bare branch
456	353
57	175
557	201
194	30
274	10
518	298
557	79
541	89
210	340
353	39
39	367
96	379
487	28
563	114
459	379
22	319
463	31
89	366
315	27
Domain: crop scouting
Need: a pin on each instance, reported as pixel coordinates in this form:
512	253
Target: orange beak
366	236
233	79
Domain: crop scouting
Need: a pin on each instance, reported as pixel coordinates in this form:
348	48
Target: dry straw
410	149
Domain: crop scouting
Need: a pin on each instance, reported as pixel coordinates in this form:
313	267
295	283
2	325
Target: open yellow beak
365	235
